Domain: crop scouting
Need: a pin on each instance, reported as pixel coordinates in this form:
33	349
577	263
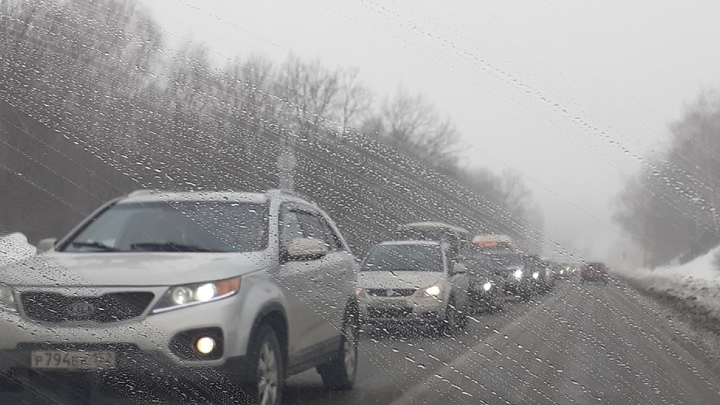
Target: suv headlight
487	286
193	294
518	274
7	298
432	291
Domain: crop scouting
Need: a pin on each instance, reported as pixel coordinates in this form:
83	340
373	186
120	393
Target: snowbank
693	289
697	275
14	247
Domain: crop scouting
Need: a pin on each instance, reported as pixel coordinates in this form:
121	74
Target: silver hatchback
225	284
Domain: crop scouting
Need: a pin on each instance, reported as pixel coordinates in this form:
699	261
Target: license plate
72	360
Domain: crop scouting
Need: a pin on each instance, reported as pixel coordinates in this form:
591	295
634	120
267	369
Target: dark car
540	274
486	290
595	271
513	273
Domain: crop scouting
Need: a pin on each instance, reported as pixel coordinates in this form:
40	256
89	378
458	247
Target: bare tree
671	208
414	126
307	90
354	100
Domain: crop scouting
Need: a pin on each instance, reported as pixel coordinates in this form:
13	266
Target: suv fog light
205	345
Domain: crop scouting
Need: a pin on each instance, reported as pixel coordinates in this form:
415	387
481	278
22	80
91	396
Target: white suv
251	287
413	282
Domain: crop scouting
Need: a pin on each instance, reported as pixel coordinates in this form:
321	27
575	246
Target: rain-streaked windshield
197	226
374	202
404	258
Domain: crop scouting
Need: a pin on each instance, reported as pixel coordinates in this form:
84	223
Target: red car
594	271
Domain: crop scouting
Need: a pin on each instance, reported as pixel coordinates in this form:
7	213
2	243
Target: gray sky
568	93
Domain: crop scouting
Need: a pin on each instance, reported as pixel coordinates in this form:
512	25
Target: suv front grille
391	292
113	307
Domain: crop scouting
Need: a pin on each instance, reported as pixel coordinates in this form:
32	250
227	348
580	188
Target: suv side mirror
304	249
459	268
45	245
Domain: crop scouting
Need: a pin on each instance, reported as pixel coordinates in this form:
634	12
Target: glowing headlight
518	274
536	275
433	291
193	294
430	292
205	292
487	286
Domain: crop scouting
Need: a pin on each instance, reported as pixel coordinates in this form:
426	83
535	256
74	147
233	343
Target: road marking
439	381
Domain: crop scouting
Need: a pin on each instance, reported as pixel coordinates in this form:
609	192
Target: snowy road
582	343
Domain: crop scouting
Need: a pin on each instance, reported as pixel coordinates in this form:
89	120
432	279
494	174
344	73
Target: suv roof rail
290	193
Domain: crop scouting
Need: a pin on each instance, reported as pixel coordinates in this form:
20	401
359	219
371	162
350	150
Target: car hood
129	268
398	279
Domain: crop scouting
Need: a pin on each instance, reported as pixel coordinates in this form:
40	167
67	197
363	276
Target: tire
462	316
497	304
266	356
449	325
339	374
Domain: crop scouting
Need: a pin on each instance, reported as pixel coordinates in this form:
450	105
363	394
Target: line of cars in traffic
436	274
243	288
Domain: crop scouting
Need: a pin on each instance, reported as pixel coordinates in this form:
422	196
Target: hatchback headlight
518	274
487	286
193	294
432	291
7	298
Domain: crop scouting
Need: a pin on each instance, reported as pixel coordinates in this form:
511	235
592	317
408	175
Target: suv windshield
404	258
188	226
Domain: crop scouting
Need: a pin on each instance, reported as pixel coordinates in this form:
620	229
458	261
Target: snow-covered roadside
692	290
14	247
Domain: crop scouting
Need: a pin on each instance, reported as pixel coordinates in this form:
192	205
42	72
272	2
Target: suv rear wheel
339	374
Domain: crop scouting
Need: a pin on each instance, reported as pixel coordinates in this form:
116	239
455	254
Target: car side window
290	227
332	237
312	227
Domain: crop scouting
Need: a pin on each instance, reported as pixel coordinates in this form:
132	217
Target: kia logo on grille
391	293
80	309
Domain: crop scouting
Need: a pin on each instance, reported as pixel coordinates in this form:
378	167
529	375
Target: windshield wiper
96	245
168	247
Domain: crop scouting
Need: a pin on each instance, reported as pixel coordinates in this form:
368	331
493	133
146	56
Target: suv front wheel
266	356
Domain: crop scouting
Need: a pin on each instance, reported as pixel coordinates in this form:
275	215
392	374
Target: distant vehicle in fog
514	274
594	271
541	274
